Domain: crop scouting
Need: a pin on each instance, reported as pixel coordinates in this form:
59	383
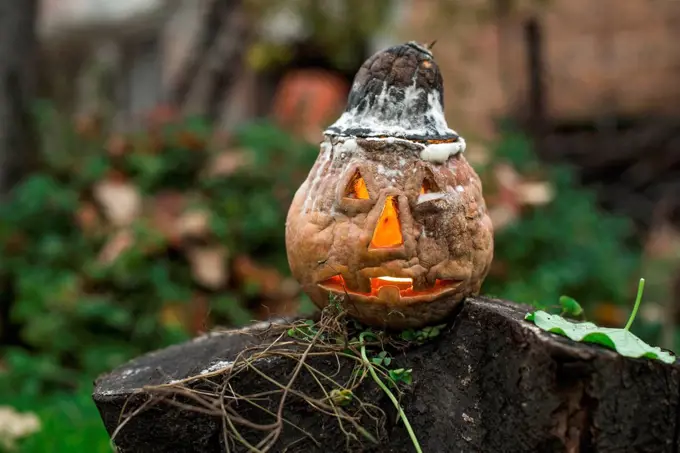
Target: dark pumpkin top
397	92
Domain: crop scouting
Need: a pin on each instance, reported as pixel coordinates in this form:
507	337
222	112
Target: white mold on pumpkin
389	172
349	145
393	140
431	196
439	153
383	108
390	114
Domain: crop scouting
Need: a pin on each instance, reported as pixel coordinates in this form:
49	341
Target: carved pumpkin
391	217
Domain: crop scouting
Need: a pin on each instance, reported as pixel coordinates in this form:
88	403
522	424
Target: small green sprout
304	332
341	397
382	359
570	307
335	301
422	335
401	375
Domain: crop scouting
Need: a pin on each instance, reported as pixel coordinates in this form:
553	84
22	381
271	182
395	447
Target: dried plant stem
387	391
216	393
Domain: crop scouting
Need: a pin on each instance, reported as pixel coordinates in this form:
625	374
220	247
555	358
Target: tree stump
490	382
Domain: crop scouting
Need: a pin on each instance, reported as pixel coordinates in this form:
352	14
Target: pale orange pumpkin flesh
386	223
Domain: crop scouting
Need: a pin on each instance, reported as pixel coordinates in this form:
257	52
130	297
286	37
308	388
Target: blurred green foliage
69	422
74	315
566	247
77	316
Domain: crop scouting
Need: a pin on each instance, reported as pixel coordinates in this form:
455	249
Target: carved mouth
392	289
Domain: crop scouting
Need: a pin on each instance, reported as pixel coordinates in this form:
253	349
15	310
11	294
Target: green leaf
408	335
619	340
305	331
382	359
401	375
570	306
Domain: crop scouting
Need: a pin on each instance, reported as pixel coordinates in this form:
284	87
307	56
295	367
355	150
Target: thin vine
255	420
387	391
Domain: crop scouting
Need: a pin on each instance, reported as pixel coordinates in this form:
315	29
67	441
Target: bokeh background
149	150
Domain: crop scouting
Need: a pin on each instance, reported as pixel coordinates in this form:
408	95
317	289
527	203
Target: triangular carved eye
357	187
428	185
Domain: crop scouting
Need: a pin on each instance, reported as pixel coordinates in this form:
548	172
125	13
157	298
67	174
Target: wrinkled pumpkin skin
433	241
449	238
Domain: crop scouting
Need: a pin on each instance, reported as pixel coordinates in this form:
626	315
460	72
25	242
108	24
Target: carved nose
387	231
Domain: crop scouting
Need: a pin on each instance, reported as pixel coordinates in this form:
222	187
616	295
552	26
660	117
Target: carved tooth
363	283
328	270
389	294
420	283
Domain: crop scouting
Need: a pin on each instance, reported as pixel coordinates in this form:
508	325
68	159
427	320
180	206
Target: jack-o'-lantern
391	217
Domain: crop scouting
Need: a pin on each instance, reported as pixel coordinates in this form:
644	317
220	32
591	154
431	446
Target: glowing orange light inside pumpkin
403	284
336	280
357	188
387	232
399	282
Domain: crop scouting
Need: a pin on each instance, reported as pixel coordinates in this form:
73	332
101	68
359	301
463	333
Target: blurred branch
211	25
216	60
17	84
